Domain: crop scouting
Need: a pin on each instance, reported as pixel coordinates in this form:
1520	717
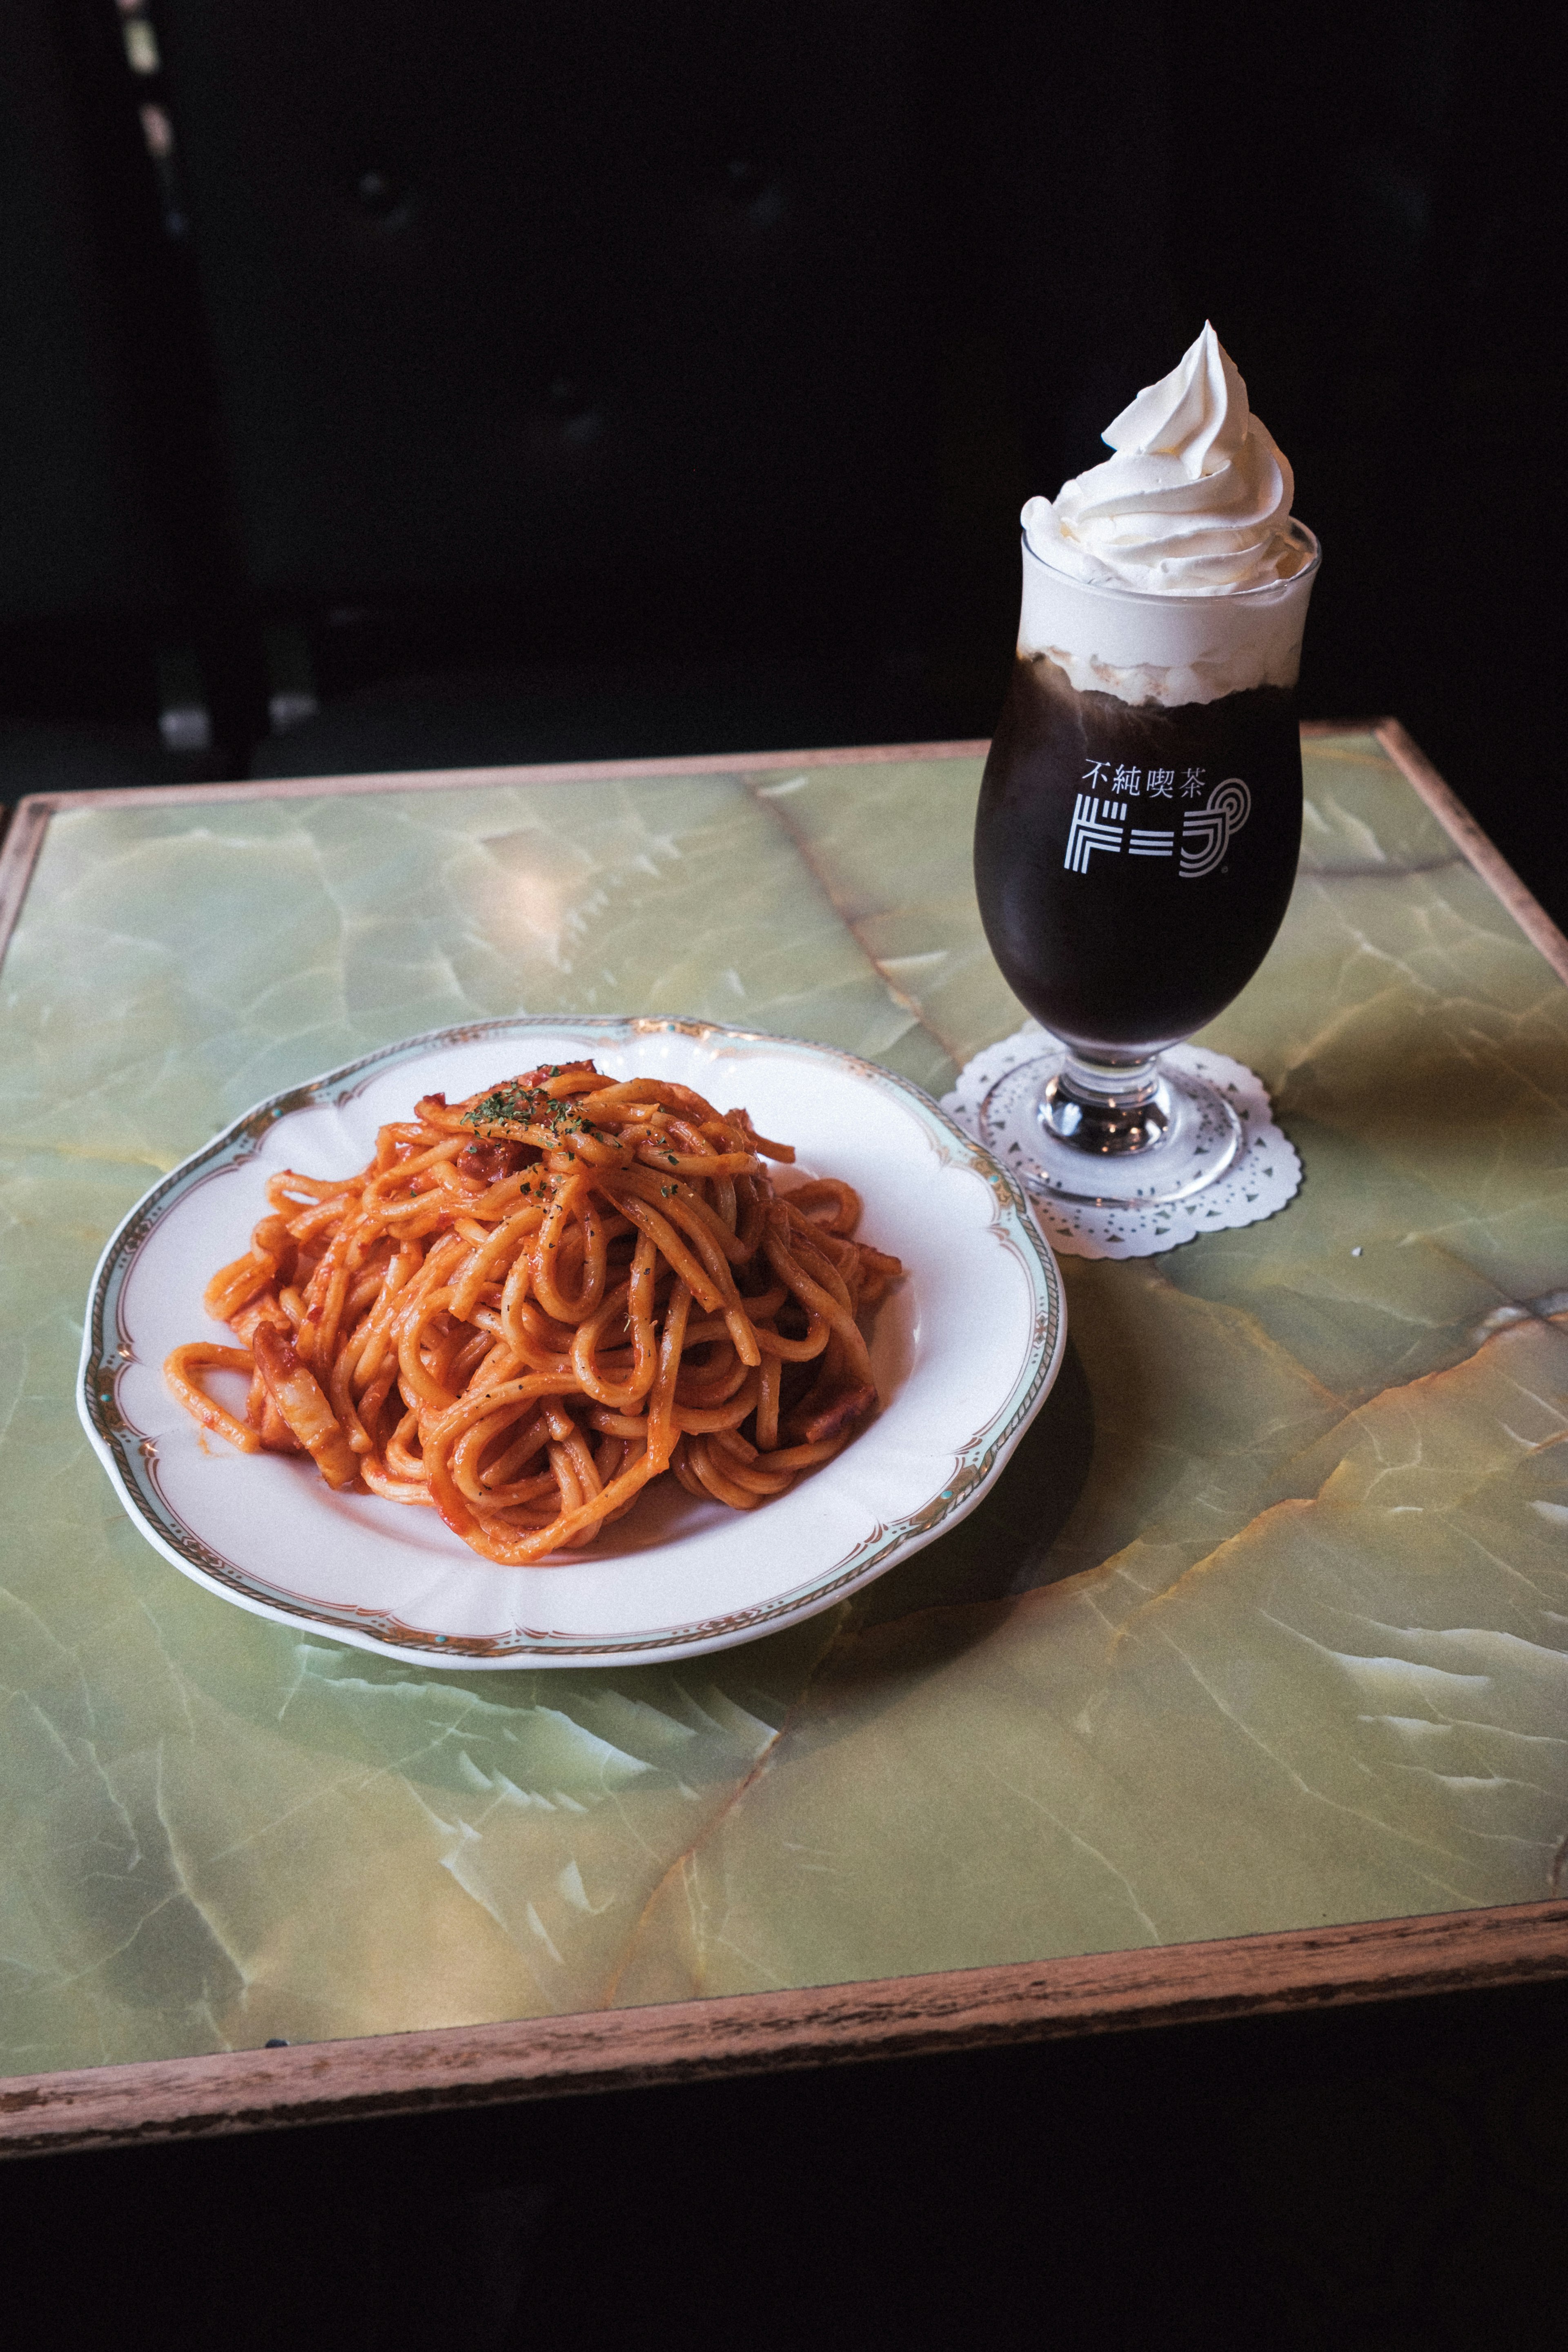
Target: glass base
1114	1138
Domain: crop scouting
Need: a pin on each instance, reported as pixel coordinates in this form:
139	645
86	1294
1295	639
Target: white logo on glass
1208	833
1096	825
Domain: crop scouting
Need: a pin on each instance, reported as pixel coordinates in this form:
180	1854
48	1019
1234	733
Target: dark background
525	380
1385	2179
559	381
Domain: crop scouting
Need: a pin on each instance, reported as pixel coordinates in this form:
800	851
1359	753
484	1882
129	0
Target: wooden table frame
702	2039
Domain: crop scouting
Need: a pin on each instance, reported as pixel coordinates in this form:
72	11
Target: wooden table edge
701	2039
704	2039
1467	836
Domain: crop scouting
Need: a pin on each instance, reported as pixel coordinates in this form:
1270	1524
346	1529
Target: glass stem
1110	1107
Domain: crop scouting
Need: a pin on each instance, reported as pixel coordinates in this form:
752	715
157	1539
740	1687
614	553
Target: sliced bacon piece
297	1395
832	1419
488	1163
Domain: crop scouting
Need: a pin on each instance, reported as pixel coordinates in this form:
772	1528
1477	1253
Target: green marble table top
1264	1627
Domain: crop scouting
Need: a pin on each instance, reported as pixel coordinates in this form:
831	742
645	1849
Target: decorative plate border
131	1460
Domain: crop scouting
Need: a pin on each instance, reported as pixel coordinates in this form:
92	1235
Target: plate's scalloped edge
130	1458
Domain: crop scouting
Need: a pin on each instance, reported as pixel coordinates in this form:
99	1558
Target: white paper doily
1267	1175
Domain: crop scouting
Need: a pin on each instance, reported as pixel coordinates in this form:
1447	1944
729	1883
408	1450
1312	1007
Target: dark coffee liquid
1133	863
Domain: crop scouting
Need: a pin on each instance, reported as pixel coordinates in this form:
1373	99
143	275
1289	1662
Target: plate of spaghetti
510	1346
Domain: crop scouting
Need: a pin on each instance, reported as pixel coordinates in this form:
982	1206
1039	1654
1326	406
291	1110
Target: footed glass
1135	849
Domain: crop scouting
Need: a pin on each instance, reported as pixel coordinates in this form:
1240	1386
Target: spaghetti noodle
530	1303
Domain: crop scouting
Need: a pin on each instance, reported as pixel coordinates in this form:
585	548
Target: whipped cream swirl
1195	502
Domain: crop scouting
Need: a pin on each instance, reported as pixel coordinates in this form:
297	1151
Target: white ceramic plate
964	1350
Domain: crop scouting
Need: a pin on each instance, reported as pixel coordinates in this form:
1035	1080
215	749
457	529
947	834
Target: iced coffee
1141	814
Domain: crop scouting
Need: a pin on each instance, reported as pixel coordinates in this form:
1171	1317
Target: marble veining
1265	1626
